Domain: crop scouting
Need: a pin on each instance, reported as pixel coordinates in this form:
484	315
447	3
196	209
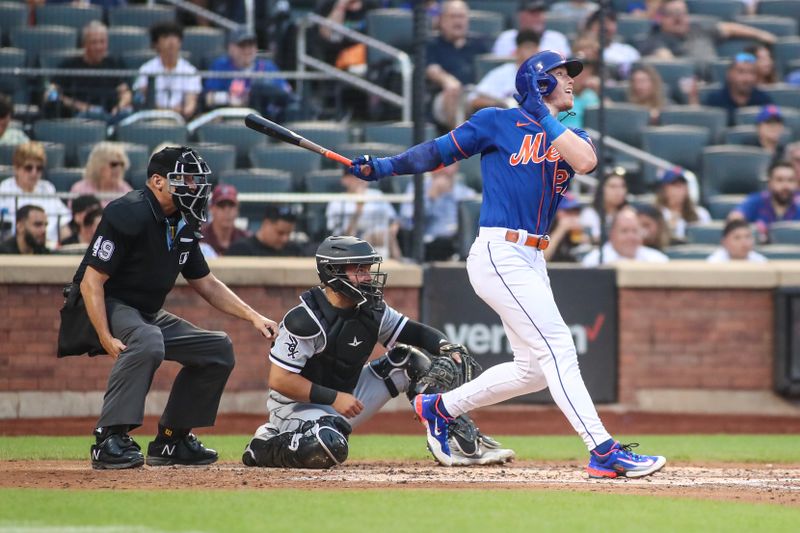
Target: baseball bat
276	131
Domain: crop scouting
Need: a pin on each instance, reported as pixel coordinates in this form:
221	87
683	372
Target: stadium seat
37	39
392	26
748	135
777	252
124	39
778	26
705	233
784	51
731	47
784	232
720	205
470	168
468	214
486	62
671	72
244	139
779	8
353	150
325	181
398	184
631	28
722	9
64	178
71	132
151	134
68	15
690	251
623	121
54	58
681	145
487	24
134	59
401	133
12	15
13	85
618	92
718	70
258	180
566	24
142	16
791	118
713	118
328	134
506	8
733	169
784	95
298	161
220	157
205	44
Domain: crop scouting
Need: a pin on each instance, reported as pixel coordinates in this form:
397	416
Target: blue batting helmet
537	67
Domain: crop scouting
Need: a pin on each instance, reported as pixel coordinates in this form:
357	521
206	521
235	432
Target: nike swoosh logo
186	240
436	430
632	463
521	124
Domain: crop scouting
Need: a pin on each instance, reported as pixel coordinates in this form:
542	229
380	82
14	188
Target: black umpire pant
207	359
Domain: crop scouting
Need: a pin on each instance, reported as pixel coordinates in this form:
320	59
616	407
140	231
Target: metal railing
403	100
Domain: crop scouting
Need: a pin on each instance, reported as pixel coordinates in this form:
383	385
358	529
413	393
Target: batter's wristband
321	395
552	127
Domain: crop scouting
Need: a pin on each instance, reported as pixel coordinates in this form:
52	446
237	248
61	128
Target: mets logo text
531	150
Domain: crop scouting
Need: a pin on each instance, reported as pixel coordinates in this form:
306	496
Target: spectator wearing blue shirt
443	193
781	200
740	88
270	96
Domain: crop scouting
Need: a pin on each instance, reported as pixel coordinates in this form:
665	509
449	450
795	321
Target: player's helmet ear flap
536	69
333	256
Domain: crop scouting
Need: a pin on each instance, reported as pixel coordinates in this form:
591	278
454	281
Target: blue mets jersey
524	177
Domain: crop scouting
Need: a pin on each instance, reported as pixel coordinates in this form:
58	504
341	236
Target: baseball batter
527	160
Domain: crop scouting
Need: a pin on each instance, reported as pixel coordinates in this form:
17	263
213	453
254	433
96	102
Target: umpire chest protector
350	335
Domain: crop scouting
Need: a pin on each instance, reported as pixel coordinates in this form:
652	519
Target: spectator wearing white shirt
617	54
625	243
374	221
532	15
173	88
27	185
737	244
497	88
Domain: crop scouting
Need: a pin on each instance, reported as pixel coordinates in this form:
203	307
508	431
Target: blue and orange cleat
430	411
620	461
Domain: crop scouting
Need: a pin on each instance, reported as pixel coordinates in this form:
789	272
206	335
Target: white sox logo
291	345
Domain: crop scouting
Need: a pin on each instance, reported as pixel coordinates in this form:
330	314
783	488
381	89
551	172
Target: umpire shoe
116	452
620	461
184	451
434	417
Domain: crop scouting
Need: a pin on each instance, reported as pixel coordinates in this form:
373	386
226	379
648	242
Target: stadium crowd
711	87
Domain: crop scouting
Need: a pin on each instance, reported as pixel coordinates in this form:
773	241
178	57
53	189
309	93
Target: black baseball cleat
184	451
116	452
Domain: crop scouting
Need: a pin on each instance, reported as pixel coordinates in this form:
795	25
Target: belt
540	242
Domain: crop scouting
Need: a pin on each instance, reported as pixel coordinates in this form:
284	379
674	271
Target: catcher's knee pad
317	444
400	358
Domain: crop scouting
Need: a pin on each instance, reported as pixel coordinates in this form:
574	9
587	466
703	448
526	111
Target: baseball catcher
320	385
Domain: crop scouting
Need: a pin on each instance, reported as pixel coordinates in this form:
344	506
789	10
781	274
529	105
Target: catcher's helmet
175	163
537	67
335	253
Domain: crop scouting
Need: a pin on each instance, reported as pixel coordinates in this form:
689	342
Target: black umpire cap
165	161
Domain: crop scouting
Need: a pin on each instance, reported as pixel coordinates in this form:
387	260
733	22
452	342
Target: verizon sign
587	299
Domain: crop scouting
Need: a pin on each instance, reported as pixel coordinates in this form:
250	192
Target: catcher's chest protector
350	336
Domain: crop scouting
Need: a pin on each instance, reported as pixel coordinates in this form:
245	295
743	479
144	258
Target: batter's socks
166	434
604	447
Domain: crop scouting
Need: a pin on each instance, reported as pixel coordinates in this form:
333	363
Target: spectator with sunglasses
27	186
31	232
105	172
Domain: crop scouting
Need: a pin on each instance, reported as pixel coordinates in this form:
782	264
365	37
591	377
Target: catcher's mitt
445	373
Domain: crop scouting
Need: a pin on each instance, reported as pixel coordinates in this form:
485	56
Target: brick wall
695	339
29	330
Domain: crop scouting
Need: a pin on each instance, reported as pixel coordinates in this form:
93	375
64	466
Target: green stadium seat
486	23
631	28
784	51
705	233
681	145
733	169
468	215
784	232
124	39
400	133
257	181
220	157
244	139
393	26
68	15
748	135
325	181
722	9
13	86
64	178
791	118
713	118
71	133
778	252
486	62
699	252
717	70
624	122
328	134
134	59
506	8
779	8
784	95
720	205
731	47
12	15
353	150
778	26
142	16
672	71
205	44
298	161
618	92
566	24
38	39
470	168
54	58
152	133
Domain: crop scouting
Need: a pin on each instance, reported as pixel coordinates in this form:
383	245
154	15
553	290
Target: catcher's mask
187	174
333	256
536	69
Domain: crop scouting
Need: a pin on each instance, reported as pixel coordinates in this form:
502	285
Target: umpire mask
187	174
336	253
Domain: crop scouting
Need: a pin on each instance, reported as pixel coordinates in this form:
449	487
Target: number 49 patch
103	248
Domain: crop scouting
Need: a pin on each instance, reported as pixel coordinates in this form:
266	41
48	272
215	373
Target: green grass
374	510
694	448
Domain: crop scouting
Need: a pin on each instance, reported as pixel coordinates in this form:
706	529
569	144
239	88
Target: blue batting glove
533	102
369	168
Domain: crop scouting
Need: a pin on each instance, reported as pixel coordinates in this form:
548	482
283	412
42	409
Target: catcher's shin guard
317	444
400	358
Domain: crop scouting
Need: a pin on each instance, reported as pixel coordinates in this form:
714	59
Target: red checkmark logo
593	331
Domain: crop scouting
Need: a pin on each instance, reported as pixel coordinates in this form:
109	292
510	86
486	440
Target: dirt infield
765	484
